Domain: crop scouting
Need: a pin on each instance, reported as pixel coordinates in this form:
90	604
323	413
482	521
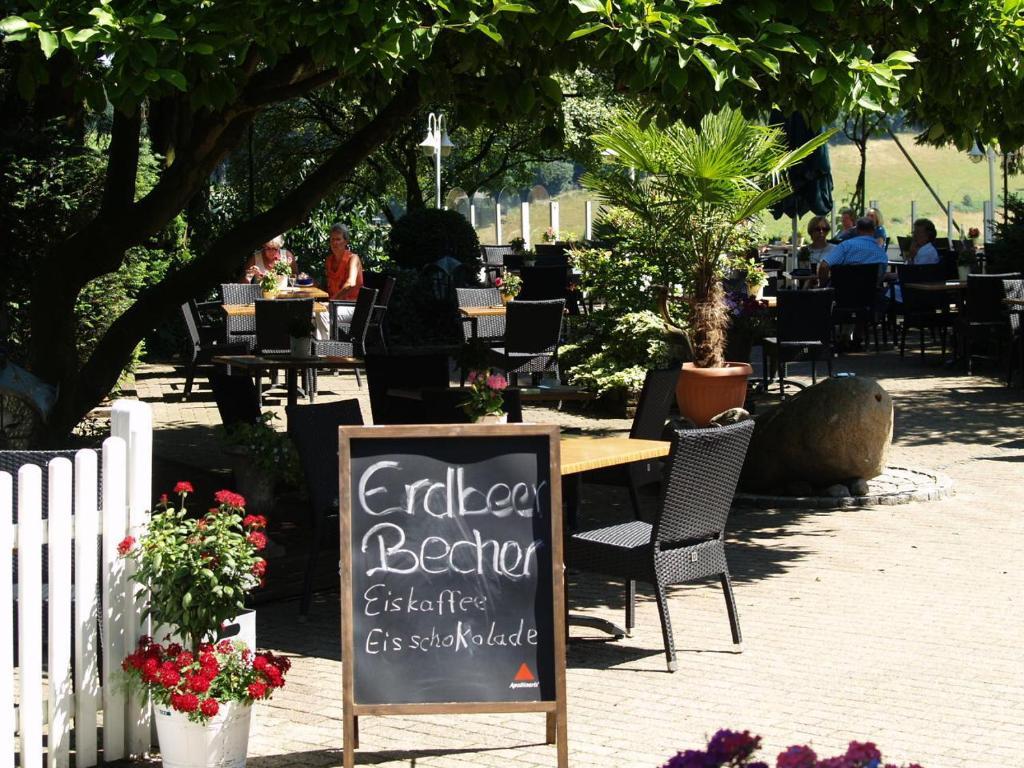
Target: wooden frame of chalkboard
375	682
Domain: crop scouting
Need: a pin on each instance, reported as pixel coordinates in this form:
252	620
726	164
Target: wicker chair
314	430
532	332
490	330
803	332
857	297
237	399
273	316
352	343
923	310
984	313
687	540
241	328
543	283
493	258
203	343
1014	289
385	286
652	410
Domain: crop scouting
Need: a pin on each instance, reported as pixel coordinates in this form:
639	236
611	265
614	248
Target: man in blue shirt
861	249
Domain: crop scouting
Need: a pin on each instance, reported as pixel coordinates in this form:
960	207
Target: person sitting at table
344	271
881	236
861	249
848	225
922	249
263	260
818	228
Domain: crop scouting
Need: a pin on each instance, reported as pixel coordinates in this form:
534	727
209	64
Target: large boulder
824	435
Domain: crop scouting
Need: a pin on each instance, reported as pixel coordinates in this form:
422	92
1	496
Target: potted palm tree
693	191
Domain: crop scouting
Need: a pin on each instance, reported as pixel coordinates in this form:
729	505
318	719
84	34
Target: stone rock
859	487
838	429
731	416
837	491
799	488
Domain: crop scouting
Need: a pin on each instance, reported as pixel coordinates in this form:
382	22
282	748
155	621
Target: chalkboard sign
452	590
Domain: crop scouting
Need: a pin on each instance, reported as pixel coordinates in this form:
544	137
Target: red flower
225	646
257	690
173	650
163	500
185	702
185	658
254	521
183	486
169	678
209	707
259	568
229	499
257	539
126	545
198	683
261	662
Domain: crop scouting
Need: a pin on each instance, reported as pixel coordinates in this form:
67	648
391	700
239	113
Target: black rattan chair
203	342
237	399
923	310
489	330
352	343
543	283
687	539
314	430
858	298
552	254
241	328
1014	289
984	314
656	400
493	258
385	286
803	332
272	320
532	332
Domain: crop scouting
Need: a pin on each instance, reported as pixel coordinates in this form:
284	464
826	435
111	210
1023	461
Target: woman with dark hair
922	249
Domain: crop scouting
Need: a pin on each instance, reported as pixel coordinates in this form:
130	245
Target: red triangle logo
524	675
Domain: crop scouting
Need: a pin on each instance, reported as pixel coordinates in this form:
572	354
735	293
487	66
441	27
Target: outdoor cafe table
291	365
475	313
249	310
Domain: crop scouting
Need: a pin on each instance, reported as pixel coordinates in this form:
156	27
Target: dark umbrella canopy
811	178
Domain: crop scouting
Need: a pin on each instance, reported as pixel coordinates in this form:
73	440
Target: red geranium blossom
209	707
254	521
257	539
259	568
257	690
229	498
183	486
126	545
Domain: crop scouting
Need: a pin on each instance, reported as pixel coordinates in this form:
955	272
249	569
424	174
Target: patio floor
899	625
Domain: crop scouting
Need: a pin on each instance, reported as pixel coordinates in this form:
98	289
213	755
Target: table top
287	361
483	311
302	292
948	285
580	454
526	394
1015	302
249	310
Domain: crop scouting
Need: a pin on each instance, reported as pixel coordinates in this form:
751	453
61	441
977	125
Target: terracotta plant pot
703	393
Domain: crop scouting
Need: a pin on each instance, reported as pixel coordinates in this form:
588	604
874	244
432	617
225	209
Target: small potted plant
752	272
518	244
300	334
195	574
281	270
485	403
509	285
268	283
261	457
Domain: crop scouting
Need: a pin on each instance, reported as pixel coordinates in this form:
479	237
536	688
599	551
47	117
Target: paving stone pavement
896	624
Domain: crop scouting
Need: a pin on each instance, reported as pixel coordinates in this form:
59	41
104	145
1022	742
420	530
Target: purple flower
691	758
837	762
797	757
864	754
731	746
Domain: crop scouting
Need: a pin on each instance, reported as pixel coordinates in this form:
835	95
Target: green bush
422	237
1006	254
416	316
614	351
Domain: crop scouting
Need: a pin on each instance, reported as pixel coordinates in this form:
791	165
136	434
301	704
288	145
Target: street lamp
977	154
437	144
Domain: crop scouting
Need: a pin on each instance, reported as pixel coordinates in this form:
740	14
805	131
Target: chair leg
630	606
730	606
814	371
359	380
634	497
189	377
666	627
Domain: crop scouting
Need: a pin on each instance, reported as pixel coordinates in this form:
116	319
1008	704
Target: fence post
497	224
949	220
472	215
7	748
58	521
87	682
30	613
588	220
132	421
913	215
989	216
525	208
115	602
553	217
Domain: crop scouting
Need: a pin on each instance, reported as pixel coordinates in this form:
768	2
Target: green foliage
271	451
1006	254
416	316
613	351
555	176
422	237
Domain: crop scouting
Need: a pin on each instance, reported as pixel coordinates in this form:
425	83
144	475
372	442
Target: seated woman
344	271
881	236
922	249
818	228
263	260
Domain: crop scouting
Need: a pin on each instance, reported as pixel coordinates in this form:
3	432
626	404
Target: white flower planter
493	418
220	743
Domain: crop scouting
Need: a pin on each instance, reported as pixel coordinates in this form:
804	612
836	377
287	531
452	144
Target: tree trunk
710	321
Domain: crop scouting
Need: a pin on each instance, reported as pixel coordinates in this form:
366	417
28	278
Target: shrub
614	351
422	237
1006	254
416	316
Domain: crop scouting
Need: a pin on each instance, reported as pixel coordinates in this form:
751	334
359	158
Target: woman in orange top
344	274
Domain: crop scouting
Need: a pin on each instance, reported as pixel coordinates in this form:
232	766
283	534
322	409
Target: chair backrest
486	327
552	254
655	402
533	326
985	294
904	244
236	398
383	284
941	243
190	314
948	261
921	273
699	483
1014	289
390	371
543	283
856	285
805	315
273	316
240	293
494	255
314	430
361	316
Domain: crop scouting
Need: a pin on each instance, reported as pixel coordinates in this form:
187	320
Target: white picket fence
91	615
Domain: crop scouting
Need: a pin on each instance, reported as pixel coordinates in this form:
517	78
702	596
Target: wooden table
475	313
249	310
1015	303
291	366
302	292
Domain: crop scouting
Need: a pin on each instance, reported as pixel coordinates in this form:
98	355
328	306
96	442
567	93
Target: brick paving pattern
896	624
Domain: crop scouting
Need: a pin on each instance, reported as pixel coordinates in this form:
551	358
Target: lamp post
977	154
437	144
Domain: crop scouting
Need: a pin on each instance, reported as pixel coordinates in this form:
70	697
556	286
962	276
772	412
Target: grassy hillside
890	180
